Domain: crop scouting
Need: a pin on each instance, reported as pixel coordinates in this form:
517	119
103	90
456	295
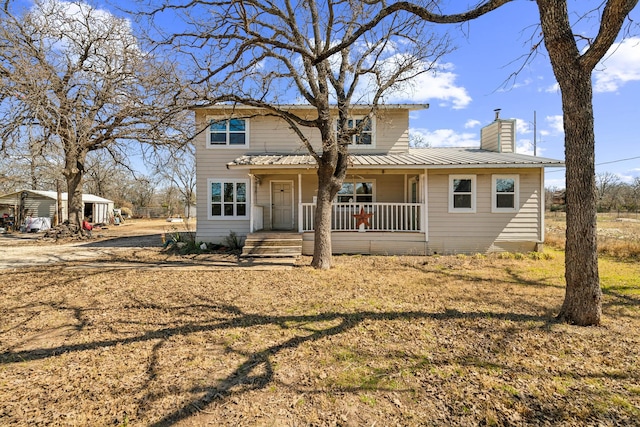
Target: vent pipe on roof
497	111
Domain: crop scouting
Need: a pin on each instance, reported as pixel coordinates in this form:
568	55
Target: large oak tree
78	79
573	56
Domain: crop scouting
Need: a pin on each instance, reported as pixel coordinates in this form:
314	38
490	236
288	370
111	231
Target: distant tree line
167	190
613	195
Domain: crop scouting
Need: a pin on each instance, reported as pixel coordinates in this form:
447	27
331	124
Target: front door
281	206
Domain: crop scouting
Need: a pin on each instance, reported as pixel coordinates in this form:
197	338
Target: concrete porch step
272	244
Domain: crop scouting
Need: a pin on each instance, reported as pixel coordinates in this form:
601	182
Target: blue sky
477	81
478	77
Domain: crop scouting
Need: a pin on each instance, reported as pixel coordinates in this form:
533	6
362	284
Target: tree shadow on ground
256	371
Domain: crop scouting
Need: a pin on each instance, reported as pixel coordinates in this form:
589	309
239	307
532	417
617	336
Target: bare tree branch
81	79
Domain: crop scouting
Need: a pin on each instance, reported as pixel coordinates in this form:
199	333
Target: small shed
43	204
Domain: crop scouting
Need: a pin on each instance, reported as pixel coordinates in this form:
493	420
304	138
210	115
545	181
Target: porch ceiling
419	158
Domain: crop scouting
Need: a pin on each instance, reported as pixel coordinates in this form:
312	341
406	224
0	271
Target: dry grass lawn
378	341
618	235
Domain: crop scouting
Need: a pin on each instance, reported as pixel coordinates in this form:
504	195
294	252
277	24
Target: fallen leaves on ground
374	341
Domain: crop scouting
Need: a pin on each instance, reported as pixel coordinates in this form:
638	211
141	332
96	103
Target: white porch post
425	204
300	203
406	188
252	197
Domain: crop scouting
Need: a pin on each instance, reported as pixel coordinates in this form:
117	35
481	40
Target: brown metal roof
415	158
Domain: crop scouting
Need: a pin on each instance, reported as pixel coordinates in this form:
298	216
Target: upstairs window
504	194
366	136
462	193
355	192
229	132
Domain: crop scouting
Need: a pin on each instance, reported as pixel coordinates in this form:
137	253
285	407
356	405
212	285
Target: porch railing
384	216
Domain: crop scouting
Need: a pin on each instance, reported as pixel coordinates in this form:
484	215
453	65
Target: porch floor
274	244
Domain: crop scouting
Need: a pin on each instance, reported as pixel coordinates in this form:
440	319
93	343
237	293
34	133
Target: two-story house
254	174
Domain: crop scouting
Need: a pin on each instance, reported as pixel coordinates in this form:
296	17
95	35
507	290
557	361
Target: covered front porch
368	201
381	207
375	213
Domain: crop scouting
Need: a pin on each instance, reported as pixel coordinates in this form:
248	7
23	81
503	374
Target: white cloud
523	126
621	65
472	123
525	146
432	86
445	137
554	88
628	177
556	123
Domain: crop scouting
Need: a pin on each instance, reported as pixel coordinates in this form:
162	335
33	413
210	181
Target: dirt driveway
135	244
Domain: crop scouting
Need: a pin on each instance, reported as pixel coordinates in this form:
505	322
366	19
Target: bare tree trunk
328	186
332	170
582	304
583	297
74	172
322	249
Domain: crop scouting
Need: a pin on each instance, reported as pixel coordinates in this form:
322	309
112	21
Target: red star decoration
362	218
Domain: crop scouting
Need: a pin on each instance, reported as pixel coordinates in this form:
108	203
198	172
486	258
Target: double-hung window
356	192
504	193
366	136
229	132
462	193
228	199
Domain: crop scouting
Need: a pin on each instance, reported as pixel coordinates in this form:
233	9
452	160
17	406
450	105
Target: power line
618	161
603	163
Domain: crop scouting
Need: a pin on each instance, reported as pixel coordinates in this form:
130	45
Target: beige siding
499	136
489	137
390	188
211	163
507	136
374	243
483	231
272	135
392	131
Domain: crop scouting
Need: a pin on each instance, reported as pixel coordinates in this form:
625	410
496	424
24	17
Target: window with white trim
228	133
366	137
462	193
355	192
228	199
504	193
